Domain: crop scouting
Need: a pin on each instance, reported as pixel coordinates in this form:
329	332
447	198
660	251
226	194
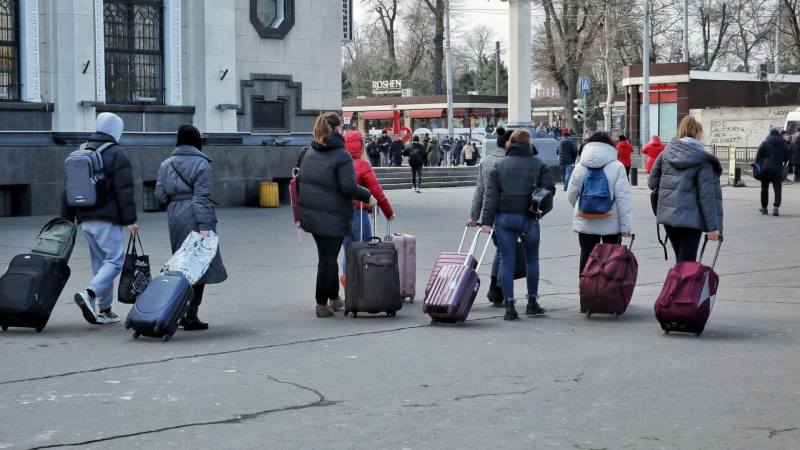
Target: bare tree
714	22
386	10
791	15
751	28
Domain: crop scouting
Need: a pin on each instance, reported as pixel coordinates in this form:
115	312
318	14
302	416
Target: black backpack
768	168
414	157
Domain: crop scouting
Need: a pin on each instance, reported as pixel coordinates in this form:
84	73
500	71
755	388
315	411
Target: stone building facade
252	75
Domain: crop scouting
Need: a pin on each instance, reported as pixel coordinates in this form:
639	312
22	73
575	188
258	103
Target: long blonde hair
689	127
326	125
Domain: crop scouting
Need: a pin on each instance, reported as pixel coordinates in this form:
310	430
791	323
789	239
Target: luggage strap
662	242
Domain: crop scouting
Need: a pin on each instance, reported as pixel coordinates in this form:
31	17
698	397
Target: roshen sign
387	87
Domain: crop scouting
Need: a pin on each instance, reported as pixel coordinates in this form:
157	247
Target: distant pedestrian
788	138
328	186
365	177
373	152
416	159
434	152
469	154
690	195
384	142
599	153
425	141
396	149
458	147
489	128
447	148
104	225
652	150
773	147
512	181
567	153
624	152
184	182
796	156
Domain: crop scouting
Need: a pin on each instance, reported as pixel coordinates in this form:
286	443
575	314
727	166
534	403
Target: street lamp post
519	70
449	57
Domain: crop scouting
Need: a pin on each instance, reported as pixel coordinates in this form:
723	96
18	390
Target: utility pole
449	57
778	43
685	30
644	133
497	68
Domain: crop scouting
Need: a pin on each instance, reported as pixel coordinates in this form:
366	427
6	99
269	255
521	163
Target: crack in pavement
239	418
774	431
492	395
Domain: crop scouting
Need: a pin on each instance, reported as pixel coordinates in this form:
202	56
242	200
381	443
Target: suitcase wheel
41	327
698	333
355	314
3	327
616	315
582	310
411	299
136	334
128	324
434	321
391	313
459	323
166	338
588	314
666	331
157	328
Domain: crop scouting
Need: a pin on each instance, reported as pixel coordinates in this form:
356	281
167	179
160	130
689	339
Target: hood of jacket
433	140
597	154
353	142
188	150
417	146
776	141
520	149
656	142
684	154
332	142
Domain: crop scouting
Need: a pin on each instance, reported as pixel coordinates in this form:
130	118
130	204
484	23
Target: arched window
10	85
134	51
272	18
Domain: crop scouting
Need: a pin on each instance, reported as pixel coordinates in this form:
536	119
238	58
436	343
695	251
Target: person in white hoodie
599	152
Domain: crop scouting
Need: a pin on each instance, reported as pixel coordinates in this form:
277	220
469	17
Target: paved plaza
270	375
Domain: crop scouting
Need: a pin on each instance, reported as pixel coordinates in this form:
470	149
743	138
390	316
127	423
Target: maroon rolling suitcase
453	258
407	259
454	289
608	280
688	295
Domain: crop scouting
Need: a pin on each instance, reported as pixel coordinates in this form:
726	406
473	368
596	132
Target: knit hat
622	137
503	140
415	139
774	132
110	124
189	135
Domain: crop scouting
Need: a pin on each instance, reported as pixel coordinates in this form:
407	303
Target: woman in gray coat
690	195
184	182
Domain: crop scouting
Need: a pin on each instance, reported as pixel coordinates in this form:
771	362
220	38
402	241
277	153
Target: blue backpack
595	200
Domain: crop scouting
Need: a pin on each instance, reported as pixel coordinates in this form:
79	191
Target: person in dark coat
384	142
796	156
416	159
396	149
787	137
773	147
373	152
458	146
690	195
567	153
512	181
104	226
184	182
327	187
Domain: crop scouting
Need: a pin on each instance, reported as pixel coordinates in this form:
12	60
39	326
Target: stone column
71	26
211	49
519	73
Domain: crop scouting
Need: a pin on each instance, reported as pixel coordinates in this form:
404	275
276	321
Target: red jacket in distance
624	151
353	140
652	150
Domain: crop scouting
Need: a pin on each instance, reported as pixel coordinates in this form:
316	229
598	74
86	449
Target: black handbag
541	201
135	276
767	169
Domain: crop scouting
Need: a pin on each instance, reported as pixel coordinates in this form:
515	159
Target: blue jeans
358	218
385	159
434	164
508	227
107	249
566	172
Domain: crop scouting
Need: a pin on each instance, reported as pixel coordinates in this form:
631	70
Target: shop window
272	18
149	202
10	85
134	50
270	117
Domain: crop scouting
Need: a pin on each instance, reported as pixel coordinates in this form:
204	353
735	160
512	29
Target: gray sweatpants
107	249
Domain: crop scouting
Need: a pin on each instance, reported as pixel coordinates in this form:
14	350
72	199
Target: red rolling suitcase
608	280
407	261
454	258
688	295
454	289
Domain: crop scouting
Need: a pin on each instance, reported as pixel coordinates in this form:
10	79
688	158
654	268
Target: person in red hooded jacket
652	150
365	176
624	152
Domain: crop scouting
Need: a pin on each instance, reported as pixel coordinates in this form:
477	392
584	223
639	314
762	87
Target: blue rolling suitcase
161	308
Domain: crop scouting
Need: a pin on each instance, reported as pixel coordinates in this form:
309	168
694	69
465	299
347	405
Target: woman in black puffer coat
327	187
184	182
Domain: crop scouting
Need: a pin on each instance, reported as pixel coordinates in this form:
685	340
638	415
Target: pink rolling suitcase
407	260
454	289
688	295
456	258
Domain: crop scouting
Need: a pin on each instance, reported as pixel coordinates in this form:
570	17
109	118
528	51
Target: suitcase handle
485	247
716	254
630	246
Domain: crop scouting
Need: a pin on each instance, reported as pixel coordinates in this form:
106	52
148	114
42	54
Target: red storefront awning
502	113
377	115
426	113
481	112
348	115
459	112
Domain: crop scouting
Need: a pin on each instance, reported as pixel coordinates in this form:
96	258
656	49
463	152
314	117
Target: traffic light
580	110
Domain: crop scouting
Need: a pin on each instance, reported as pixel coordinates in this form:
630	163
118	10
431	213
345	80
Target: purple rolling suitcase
451	258
454	290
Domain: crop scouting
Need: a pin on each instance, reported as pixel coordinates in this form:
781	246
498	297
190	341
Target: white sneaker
87	304
107	317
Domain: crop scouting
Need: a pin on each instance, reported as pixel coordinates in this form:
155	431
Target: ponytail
326	125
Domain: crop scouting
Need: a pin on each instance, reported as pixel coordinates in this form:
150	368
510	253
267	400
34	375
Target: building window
10	85
134	51
272	18
270	117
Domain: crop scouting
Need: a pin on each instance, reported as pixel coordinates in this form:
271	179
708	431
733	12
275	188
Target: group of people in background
385	151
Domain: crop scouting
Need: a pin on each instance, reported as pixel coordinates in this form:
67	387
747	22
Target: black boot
495	294
533	307
511	311
191	322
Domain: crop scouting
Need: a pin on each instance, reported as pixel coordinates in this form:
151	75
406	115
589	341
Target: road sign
346	120
585	85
